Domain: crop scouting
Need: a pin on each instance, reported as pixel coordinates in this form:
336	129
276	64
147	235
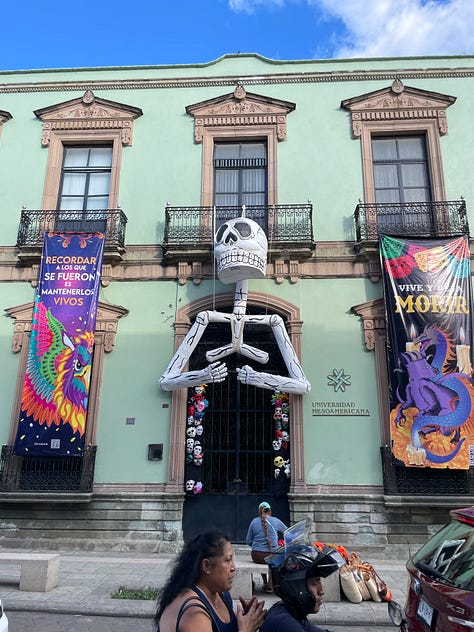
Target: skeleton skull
279	461
276	444
240	250
190	485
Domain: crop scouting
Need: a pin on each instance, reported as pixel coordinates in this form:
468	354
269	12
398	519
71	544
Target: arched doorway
237	470
224	513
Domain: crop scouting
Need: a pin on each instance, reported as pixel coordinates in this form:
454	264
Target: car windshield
449	556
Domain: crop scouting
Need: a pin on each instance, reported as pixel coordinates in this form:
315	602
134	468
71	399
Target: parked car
3	619
441	581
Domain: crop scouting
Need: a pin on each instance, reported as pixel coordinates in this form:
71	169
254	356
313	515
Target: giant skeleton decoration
241	254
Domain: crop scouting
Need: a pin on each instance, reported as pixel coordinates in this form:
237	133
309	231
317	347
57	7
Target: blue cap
264	505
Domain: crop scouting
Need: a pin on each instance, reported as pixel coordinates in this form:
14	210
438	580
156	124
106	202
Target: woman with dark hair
262	537
196	597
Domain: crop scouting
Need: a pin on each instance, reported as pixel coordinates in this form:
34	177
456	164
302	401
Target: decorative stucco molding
106	323
88	113
372	314
260	79
4	117
240	109
398	103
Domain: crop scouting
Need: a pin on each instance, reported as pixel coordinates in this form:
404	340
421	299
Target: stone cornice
372	314
107	318
88	113
331	259
233	80
338	493
398	103
334	259
240	109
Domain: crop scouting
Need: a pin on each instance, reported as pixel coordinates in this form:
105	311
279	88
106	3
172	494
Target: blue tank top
217	623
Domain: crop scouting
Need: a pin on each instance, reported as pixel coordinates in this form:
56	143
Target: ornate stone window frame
106	329
291	314
395	111
372	315
4	117
239	116
87	120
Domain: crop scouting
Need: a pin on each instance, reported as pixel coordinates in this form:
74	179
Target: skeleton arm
296	382
173	377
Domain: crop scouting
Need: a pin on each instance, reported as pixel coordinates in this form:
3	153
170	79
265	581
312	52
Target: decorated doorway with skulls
237	438
242	433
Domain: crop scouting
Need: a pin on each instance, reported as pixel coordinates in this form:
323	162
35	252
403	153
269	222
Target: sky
167	32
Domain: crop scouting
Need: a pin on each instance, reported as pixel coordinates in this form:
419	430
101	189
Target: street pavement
88	579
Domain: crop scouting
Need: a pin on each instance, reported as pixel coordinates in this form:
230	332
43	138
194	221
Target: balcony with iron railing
47	474
34	223
410	219
189	230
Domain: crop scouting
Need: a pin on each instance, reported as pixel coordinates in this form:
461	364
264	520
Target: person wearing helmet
296	572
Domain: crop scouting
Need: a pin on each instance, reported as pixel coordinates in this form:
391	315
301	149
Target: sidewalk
87	581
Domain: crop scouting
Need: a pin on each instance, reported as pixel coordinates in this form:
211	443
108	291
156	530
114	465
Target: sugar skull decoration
281	441
197	405
240	248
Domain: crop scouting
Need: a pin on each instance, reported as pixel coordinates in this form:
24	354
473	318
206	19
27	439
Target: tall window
85	187
401	177
400	169
240	177
240	174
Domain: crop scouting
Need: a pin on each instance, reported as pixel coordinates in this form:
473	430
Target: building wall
135	503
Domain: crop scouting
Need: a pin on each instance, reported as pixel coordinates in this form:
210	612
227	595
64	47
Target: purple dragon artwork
443	399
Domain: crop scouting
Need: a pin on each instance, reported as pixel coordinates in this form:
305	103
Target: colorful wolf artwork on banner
56	385
428	297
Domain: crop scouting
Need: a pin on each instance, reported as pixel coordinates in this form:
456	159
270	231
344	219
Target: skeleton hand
217	372
247	375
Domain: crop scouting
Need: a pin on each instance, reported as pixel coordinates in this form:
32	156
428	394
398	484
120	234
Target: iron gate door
237	471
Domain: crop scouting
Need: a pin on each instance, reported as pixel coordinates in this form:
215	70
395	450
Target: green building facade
175	149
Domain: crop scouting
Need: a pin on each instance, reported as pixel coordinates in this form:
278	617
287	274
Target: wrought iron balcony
34	223
411	219
189	230
43	474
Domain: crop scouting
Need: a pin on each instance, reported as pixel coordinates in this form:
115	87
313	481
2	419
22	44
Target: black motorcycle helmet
291	566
